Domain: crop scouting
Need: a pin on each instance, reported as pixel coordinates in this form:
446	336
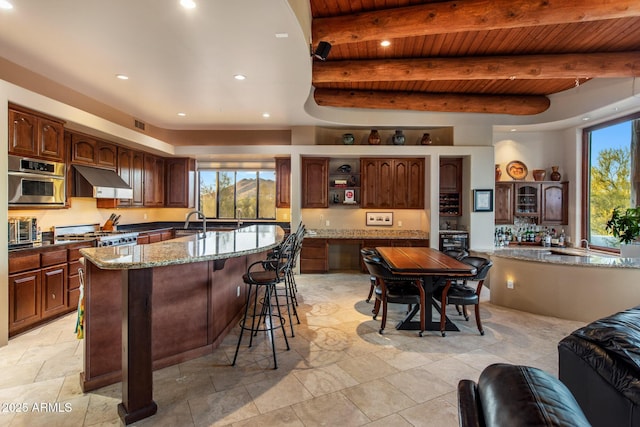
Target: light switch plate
379	218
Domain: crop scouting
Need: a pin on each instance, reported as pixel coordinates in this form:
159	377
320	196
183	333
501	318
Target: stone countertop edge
566	256
365	234
183	250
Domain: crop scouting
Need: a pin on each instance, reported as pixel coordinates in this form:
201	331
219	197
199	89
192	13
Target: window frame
586	177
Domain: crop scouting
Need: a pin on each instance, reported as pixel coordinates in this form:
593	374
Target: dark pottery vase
498	172
426	139
398	138
555	175
348	139
374	137
539	174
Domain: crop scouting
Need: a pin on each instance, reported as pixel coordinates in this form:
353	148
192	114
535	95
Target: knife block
108	226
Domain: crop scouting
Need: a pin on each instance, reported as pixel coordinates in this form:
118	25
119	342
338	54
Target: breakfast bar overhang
175	300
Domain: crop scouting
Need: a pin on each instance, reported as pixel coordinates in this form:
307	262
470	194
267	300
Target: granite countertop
184	250
337	233
567	256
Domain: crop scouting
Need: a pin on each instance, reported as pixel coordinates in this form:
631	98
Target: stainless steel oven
34	182
454	240
23	231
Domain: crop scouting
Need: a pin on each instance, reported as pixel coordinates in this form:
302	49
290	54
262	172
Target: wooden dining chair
372	279
392	288
459	293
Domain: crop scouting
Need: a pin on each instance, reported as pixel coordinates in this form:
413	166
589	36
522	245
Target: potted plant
625	225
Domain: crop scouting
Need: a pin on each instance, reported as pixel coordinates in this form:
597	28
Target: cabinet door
158	187
369	178
51	139
153	180
314	256
180	183
504	203
137	178
106	155
415	183
54	290
283	183
83	149
22	134
527	199
554	206
24	300
315	181
125	158
386	184
450	175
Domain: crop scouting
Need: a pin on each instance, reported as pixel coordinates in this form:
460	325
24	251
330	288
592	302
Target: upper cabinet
131	170
153	181
451	186
34	135
283	182
554	203
180	183
392	183
90	151
542	202
315	176
504	203
344	182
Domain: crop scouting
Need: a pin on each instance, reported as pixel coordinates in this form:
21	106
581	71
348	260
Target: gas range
93	232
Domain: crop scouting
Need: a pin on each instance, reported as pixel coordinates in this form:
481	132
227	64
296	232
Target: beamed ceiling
478	56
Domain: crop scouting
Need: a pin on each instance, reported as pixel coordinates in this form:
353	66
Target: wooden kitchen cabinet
554	203
54	290
283	182
73	275
504	203
450	175
392	183
314	256
24	300
315	178
91	151
180	183
153	181
35	135
154	236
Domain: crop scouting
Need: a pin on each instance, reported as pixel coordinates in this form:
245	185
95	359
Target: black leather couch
517	396
600	364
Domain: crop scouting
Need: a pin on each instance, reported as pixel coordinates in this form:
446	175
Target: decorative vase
555	175
539	174
374	137
348	139
398	138
498	172
426	139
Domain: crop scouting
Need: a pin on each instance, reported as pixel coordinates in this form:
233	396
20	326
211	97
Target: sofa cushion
512	395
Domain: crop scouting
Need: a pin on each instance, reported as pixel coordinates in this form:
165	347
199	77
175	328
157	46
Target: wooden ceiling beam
451	103
470	15
530	67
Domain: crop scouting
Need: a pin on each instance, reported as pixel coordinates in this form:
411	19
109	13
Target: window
611	153
238	194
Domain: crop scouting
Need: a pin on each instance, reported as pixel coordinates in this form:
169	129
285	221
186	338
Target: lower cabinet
155	236
54	290
24	300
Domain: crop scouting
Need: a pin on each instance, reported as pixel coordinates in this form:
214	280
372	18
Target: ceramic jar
374	137
539	174
426	139
555	175
498	172
348	139
398	138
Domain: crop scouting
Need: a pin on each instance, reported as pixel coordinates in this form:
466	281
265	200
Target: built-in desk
151	306
320	246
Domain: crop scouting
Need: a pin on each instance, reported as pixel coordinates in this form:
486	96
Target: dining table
431	266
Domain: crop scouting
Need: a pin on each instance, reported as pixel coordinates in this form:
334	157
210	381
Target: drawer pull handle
53	295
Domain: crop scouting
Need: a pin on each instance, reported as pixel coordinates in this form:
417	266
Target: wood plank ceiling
478	56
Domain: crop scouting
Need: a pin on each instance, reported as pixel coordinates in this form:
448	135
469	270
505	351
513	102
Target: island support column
137	370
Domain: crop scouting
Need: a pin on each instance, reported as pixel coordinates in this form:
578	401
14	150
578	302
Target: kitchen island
572	284
151	306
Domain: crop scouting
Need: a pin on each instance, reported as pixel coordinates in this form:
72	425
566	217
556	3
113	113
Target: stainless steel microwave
23	231
34	182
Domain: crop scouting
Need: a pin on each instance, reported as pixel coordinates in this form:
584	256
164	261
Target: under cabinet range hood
100	184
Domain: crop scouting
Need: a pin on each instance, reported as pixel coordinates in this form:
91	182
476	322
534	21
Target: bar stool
264	275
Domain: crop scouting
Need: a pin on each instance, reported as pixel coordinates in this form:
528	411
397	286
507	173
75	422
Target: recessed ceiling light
188	4
4	4
122	76
182	114
266	115
282	35
513	129
385	43
586	119
239	77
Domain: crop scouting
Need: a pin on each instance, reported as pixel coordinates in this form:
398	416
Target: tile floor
339	371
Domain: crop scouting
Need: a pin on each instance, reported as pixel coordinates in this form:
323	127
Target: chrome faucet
201	215
587	243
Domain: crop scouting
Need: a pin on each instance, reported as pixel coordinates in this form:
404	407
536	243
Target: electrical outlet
144	216
399	223
238	292
328	223
509	284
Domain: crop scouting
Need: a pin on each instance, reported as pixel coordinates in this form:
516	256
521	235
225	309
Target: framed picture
379	218
483	200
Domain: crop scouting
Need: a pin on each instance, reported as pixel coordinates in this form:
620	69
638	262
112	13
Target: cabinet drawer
314	252
73	296
24	263
53	257
73	281
74	266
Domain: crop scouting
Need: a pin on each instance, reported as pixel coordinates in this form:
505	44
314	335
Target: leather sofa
517	396
600	364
